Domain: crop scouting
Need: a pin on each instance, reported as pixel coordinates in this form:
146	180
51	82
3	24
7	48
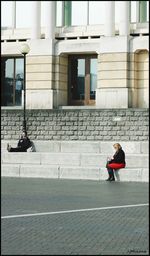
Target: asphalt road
112	230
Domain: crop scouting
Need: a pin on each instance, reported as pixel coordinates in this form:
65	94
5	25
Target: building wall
61	81
96	125
117	73
122	80
138	74
142	78
40	79
112	81
46	81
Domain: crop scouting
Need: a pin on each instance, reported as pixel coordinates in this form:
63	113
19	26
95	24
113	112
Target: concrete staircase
75	160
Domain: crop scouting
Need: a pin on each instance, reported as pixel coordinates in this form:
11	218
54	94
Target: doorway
82	80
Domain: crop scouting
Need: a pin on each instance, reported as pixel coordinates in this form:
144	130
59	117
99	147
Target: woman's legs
111	174
17	149
114	166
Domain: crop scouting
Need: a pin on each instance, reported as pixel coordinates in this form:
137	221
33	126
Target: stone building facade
105	66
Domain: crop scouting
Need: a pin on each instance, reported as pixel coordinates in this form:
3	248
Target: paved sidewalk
109	231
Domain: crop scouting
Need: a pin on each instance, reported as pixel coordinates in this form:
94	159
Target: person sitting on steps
116	162
23	144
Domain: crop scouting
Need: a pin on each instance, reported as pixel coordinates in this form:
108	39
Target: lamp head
24	49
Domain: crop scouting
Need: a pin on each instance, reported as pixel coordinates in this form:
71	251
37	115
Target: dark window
12	74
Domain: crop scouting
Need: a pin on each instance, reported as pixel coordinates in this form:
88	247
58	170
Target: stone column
124	26
113	80
109	26
13	15
41	60
50	18
36	20
88	9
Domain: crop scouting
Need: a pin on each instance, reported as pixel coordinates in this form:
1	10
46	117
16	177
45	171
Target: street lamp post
24	50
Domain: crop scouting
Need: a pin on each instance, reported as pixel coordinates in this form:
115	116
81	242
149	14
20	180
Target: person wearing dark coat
116	162
23	144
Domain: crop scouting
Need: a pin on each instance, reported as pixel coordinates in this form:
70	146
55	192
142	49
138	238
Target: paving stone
121	231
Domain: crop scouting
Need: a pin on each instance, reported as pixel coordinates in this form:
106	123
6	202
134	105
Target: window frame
5	57
87	101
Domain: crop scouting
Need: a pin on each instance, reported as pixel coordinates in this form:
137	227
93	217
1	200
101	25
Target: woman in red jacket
116	162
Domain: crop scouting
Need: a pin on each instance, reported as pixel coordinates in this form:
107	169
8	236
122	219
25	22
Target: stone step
70	159
104	147
75	160
67	172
